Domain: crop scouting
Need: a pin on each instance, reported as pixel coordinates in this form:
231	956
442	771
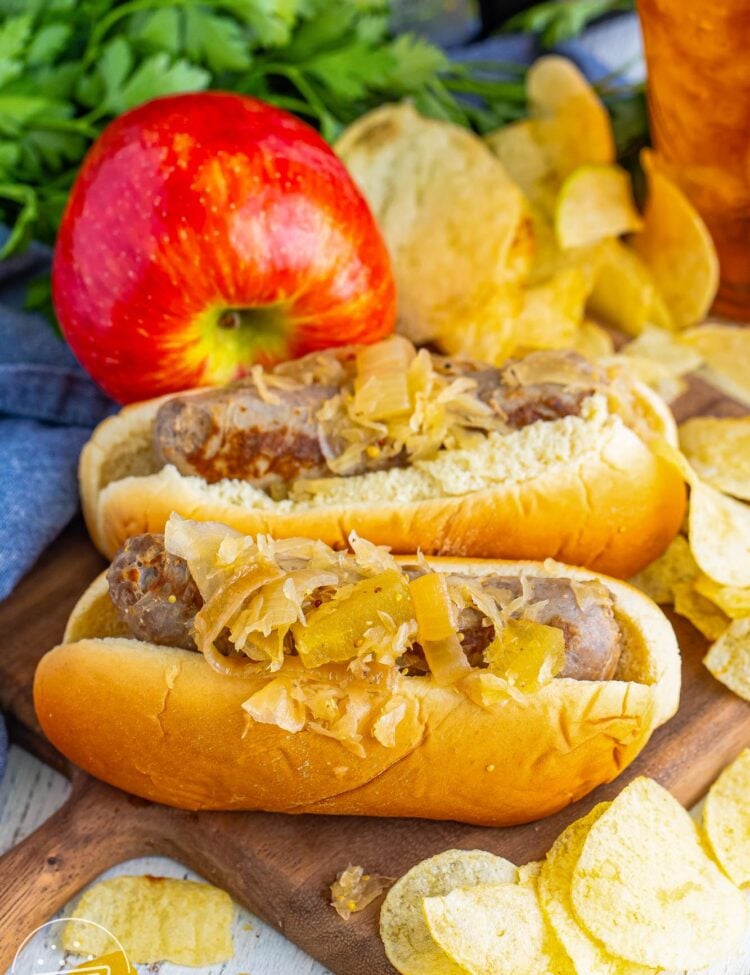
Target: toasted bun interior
161	723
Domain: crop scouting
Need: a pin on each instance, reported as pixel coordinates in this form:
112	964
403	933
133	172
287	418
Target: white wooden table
31	792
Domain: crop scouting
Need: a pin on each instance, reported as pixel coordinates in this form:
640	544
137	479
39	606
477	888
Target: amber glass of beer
698	63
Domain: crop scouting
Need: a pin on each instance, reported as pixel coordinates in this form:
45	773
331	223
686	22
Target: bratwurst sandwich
547	456
207	669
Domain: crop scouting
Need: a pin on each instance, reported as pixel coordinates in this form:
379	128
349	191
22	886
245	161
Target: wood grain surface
280	866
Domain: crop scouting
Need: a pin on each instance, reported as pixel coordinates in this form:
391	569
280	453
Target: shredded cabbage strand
334	635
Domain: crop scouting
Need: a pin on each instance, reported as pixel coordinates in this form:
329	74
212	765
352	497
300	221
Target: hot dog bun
161	723
586	490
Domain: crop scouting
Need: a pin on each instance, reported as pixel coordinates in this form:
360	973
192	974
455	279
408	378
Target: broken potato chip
725	351
155	919
456	225
655	375
719	451
728	659
645	888
726	819
731	600
408	943
666	348
594	203
593	341
625	294
719	533
518	148
572	124
705	615
676	566
677	247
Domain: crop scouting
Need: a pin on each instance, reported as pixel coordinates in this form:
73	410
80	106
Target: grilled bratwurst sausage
154	593
272	440
157	598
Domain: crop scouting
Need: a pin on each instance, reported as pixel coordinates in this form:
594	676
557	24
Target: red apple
209	231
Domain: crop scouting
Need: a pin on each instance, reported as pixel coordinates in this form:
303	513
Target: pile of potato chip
705	572
517	241
629	889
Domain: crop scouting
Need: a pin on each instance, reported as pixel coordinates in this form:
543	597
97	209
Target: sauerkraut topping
337	634
399	404
353	890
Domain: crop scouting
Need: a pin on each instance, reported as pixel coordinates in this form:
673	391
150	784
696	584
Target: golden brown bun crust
159	722
615	512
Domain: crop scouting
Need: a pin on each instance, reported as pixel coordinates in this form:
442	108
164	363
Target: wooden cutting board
280	866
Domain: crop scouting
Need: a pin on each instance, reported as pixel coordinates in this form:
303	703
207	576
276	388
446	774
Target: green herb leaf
560	20
157	31
14	34
271	21
156	77
217	41
415	63
47	43
21	232
350	72
114	66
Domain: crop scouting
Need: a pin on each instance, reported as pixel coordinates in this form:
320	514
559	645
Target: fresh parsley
67	67
560	20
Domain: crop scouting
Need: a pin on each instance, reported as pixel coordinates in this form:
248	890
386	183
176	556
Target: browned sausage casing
237	433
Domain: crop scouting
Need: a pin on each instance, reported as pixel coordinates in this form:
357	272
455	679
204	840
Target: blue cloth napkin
613	47
48	407
47	404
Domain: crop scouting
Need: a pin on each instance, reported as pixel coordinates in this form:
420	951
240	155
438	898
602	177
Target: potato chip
408	943
675	566
548	319
549	258
666	348
572	124
728	659
494	929
553	310
593	341
517	147
705	616
719	450
456	225
595	202
733	601
677	247
719	533
588	956
155	919
625	294
726	819
655	375
644	887
725	349
529	872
